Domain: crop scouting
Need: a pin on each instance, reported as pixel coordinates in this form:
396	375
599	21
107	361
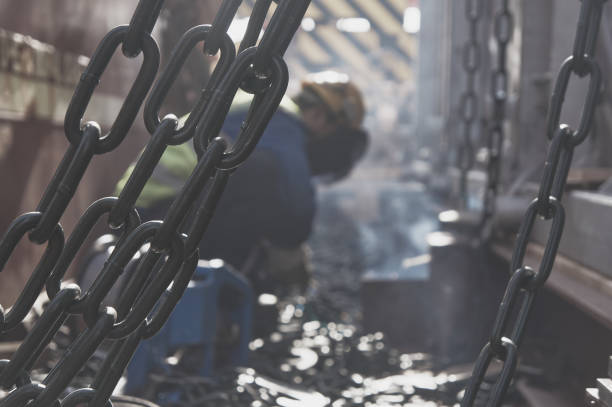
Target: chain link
525	282
256	21
468	109
166	268
142	23
503	25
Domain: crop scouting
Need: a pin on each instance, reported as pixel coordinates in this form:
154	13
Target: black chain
256	21
525	282
503	26
469	100
165	270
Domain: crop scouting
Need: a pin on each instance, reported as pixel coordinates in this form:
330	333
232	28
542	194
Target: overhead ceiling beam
366	43
314	12
321	42
339	8
344	48
400	5
323	46
387	22
311	50
295	58
370	40
409	46
389	26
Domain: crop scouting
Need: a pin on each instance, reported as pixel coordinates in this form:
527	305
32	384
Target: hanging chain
525	282
165	270
469	100
503	26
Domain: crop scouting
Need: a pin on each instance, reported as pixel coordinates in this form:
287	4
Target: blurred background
45	47
370	248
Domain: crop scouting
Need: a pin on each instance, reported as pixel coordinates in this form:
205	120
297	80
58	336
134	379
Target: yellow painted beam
314	12
370	40
343	47
409	45
311	50
340	8
400	5
389	23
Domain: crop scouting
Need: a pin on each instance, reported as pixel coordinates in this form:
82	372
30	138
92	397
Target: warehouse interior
461	259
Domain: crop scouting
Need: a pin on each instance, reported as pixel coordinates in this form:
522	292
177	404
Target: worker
269	202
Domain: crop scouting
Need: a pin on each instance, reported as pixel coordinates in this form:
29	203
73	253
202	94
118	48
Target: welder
266	211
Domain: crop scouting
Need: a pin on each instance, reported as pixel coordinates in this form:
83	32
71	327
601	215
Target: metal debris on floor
314	352
307	363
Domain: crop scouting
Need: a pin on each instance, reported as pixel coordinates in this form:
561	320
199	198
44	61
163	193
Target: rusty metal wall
41	56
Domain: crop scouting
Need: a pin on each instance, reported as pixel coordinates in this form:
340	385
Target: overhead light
328	76
238	28
308	24
353	25
412	20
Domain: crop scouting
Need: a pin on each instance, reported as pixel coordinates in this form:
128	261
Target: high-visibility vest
178	162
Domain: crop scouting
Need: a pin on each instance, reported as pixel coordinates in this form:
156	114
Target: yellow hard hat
339	94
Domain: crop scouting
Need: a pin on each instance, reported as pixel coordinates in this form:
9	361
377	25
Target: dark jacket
269	197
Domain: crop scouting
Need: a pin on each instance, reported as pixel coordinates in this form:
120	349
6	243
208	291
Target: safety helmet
339	95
